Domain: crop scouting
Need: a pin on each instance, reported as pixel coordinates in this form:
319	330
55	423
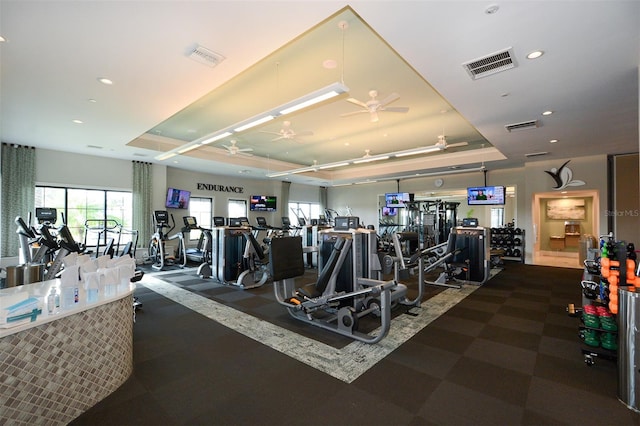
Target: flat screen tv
486	195
389	211
397	199
177	198
262	203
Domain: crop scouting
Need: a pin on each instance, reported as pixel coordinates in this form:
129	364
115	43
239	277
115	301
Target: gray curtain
284	197
142	201
18	173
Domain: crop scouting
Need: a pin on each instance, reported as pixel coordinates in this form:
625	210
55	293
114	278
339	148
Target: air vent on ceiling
525	125
491	64
206	56
536	154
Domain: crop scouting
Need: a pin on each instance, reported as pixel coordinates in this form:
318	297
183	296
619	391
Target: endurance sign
220	188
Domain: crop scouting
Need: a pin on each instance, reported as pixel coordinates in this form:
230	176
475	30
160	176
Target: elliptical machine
157	253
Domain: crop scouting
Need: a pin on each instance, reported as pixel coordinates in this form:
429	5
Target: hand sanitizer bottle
53	301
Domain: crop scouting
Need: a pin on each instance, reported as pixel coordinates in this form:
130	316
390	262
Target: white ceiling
55	51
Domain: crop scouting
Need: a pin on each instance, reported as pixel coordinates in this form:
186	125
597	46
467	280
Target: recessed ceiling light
2	39
547	113
91	100
535	54
504	95
78	121
553	141
105	81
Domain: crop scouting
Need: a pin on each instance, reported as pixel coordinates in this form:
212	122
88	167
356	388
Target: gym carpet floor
506	353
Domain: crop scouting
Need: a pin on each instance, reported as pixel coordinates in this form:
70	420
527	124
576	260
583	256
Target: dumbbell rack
598	327
511	240
594	336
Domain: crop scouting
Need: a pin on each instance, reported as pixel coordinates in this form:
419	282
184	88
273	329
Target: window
304	211
237	208
201	209
497	217
87	212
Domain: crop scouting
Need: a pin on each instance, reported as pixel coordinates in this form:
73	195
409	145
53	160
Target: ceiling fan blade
270	133
347	114
245	154
396	109
357	102
391	98
278	138
245	149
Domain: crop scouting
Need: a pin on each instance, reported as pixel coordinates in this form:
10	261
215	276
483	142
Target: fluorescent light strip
310	102
332	165
187	148
318	96
278	174
416	151
211	139
370	159
254	123
166	156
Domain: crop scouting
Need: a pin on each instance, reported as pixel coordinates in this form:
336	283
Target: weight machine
336	301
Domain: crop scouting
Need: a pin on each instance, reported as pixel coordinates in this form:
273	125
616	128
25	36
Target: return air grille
525	125
206	56
491	64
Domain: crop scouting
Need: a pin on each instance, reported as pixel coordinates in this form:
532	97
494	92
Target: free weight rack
509	240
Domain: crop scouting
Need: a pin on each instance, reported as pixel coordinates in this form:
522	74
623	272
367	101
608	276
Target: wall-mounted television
486	195
397	199
177	198
262	203
389	211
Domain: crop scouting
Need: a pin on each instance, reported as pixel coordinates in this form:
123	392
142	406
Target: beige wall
626	200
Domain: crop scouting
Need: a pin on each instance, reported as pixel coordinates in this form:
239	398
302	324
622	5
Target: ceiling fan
233	149
373	105
286	132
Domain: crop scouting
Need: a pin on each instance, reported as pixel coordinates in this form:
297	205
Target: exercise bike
157	252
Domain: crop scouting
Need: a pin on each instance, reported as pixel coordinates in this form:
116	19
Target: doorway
565	224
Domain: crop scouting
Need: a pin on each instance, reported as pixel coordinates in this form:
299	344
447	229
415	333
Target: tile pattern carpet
506	354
